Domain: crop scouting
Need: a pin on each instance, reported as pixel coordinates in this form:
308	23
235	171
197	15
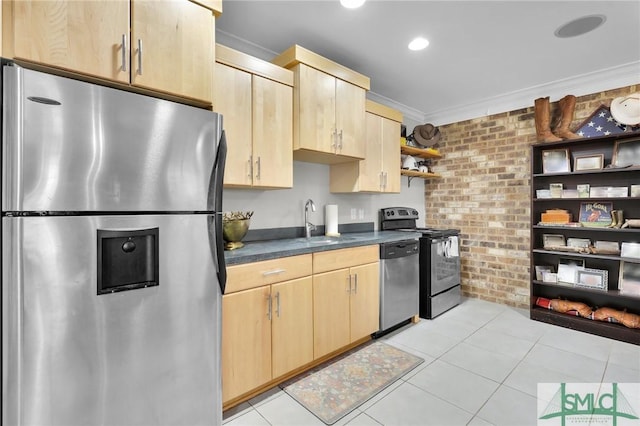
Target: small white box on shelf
569	193
543	193
609	191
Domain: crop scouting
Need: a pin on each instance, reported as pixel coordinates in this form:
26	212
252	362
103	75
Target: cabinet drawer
344	258
250	275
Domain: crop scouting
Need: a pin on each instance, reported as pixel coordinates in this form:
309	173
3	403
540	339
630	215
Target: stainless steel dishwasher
399	282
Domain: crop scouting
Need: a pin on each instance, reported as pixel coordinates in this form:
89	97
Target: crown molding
580	85
407	112
244	46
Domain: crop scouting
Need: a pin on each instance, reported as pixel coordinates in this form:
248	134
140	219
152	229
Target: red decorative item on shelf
580	309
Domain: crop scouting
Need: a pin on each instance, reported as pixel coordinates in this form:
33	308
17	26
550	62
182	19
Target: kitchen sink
327	240
323	241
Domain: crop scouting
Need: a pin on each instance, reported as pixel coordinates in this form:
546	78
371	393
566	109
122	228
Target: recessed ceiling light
418	43
352	4
580	26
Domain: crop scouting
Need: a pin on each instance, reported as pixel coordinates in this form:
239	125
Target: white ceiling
484	57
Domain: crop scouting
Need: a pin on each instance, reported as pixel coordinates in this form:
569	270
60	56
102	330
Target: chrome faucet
308	226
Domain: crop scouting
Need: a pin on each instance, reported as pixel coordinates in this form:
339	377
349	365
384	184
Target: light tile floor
483	362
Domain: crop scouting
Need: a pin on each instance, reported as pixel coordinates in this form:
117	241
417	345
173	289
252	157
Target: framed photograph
635	190
629	282
631	250
577	263
556	161
588	162
555	189
596	214
592	278
583	190
549	277
607	247
578	242
553	240
567	274
626	153
541	269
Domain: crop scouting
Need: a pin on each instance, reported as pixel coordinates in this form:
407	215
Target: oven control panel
397	213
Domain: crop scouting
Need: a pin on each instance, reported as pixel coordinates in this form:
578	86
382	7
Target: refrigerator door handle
217	182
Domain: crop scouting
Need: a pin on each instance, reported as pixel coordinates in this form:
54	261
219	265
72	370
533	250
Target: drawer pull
273	272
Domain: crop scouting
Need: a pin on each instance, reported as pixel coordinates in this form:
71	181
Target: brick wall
484	191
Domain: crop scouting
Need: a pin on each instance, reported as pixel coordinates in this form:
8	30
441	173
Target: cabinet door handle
278	304
258	164
273	272
250	174
269	307
340	139
349	288
334	138
140	56
355	290
124	52
385	179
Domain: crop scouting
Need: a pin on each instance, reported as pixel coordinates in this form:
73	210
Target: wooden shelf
601	328
607	177
570	288
413	173
419	152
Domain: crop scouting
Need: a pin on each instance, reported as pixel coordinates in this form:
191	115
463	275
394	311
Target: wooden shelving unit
421	153
611	297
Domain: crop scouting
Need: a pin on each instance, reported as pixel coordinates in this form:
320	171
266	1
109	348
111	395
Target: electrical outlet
361	214
353	214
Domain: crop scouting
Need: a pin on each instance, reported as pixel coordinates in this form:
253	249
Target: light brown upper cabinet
168	48
328	108
380	170
256	100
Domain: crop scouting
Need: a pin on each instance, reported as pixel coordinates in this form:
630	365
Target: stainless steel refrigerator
112	260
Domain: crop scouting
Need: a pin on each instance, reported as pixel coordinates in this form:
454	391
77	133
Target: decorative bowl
233	231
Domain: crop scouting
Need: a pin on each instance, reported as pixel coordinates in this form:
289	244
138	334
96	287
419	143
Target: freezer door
141	356
74	146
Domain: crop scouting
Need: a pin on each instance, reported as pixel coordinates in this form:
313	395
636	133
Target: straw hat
626	109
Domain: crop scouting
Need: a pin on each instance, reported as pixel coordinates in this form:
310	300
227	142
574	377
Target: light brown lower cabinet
345	307
277	317
267	332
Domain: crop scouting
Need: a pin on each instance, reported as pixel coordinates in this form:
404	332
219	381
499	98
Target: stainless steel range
439	260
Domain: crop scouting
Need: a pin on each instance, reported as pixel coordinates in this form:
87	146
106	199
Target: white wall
285	207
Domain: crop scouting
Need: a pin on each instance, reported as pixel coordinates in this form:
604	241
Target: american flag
601	123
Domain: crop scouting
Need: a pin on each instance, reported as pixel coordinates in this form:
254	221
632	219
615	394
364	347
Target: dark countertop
256	251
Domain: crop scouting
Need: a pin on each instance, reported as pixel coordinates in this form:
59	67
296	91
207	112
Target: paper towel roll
331	220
